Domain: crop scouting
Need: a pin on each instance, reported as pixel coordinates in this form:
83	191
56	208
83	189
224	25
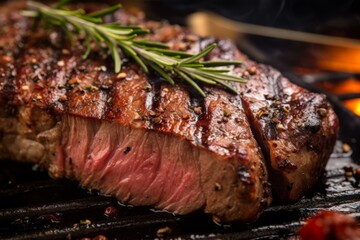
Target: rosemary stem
167	63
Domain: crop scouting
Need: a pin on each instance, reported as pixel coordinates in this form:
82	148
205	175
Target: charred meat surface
297	130
148	143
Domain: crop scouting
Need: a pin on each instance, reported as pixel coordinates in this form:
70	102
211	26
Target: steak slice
149	143
297	130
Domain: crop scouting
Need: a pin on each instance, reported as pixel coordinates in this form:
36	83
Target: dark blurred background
306	15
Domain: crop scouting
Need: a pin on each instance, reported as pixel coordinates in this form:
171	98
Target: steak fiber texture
148	143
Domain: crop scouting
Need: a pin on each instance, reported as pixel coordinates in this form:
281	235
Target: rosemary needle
169	64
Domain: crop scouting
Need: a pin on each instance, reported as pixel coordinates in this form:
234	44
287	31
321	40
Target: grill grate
33	206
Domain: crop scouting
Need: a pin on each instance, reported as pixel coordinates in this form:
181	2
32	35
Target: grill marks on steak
171	171
150	143
146	146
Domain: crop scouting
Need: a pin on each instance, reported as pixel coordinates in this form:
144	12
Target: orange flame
348	86
339	59
342	60
353	105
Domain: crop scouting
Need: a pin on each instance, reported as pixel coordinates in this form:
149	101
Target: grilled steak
149	143
296	129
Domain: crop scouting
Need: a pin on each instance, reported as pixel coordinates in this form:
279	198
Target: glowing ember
339	59
353	105
343	87
348	86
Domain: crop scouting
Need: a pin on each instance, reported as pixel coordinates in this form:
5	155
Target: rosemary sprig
167	63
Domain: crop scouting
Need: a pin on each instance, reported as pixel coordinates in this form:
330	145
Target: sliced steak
297	130
136	138
149	143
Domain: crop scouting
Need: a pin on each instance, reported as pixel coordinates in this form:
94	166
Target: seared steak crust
150	143
297	130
